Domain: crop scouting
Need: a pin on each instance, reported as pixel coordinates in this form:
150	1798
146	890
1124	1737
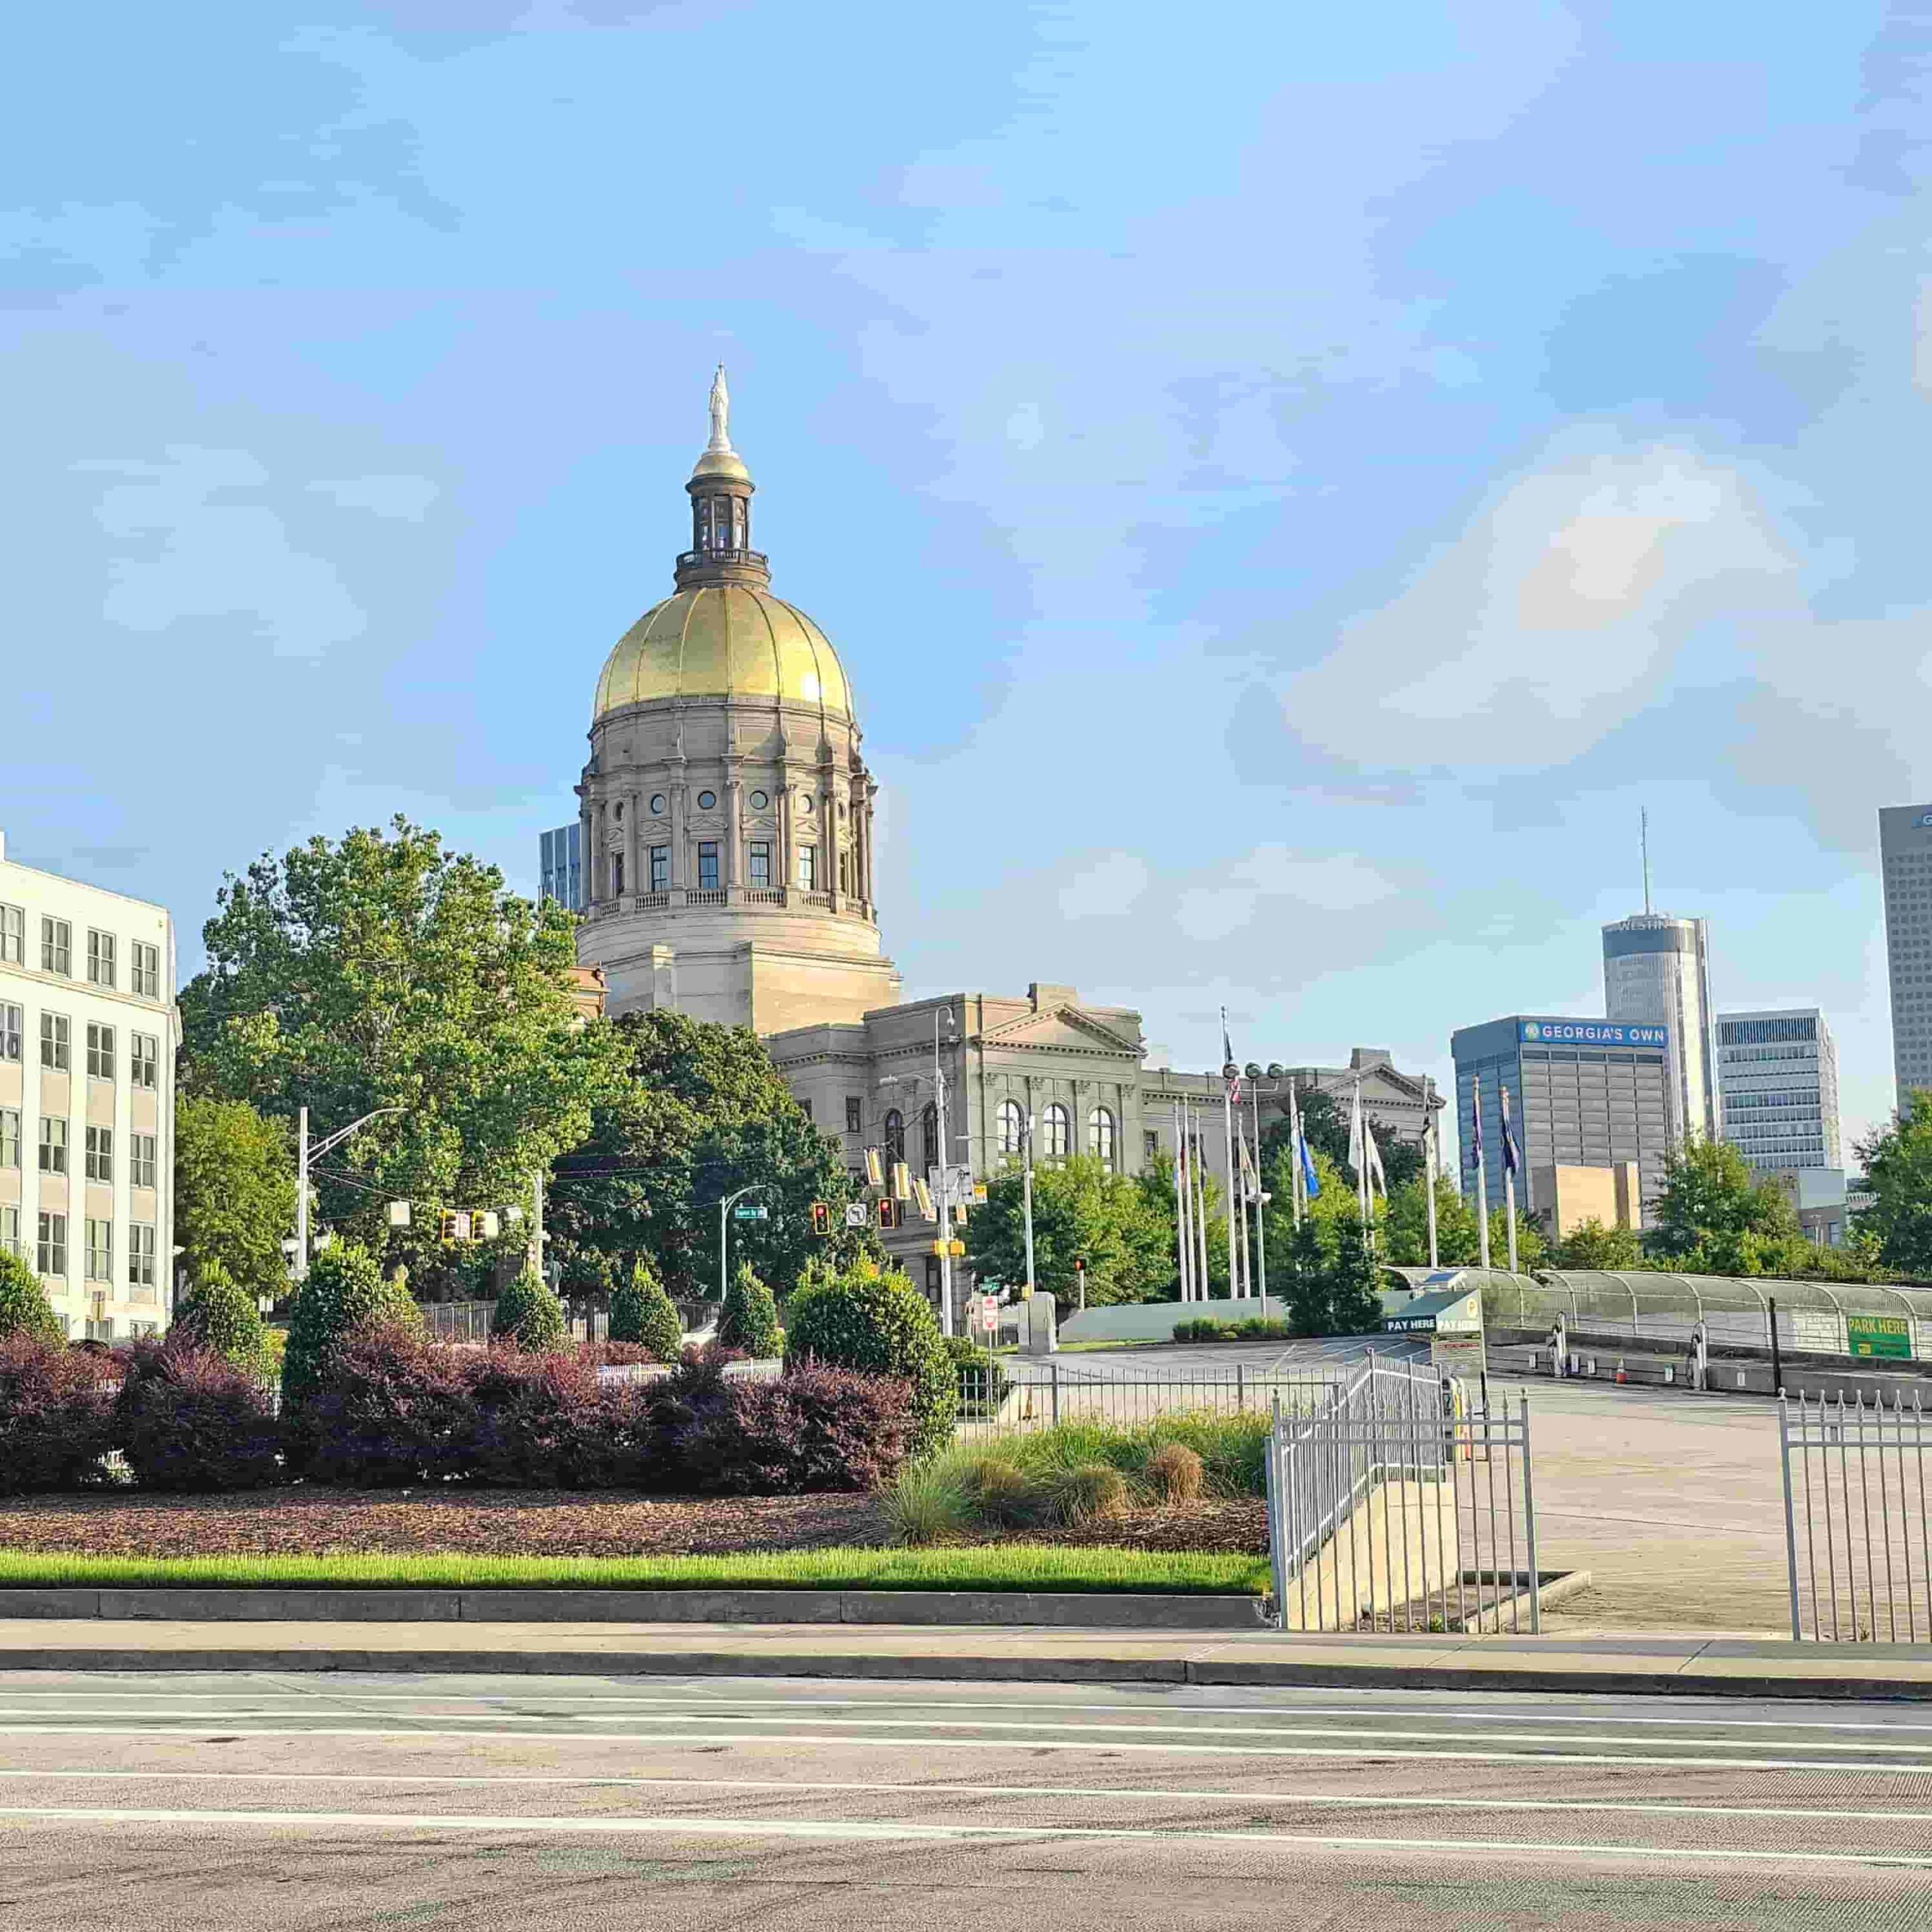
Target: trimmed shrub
24	1308
543	1421
749	1319
528	1314
189	1418
1201	1328
1248	1328
389	1407
56	1415
874	1320
218	1315
641	1311
345	1292
811	1430
1175	1473
981	1382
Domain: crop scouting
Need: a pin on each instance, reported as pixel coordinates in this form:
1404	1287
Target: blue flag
1310	1177
1509	1157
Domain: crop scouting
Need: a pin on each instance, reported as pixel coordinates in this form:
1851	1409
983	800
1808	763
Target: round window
657	802
804	801
706	800
759	801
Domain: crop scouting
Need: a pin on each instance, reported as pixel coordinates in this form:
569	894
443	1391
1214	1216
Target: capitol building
722	862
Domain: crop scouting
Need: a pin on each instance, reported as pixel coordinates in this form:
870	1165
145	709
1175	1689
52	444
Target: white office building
1905	855
88	1036
1778	1080
1657	971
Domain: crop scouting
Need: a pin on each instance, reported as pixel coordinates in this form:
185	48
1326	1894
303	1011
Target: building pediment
1060	1029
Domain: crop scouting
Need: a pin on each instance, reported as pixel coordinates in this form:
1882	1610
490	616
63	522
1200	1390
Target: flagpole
1227	1129
1509	1195
1429	1164
1181	1242
1260	1204
1296	1184
1199	1157
1509	1169
1482	1180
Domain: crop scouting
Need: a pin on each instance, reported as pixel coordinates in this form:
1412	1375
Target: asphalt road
299	1802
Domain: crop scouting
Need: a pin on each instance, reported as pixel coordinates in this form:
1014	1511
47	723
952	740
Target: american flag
1230	1072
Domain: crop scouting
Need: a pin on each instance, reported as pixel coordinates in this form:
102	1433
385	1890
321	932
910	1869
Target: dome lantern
721	489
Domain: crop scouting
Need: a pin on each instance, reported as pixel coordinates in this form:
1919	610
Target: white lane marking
678	1740
1355	1800
335	1702
889	1831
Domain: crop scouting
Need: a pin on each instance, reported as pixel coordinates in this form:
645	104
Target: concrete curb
1388	1673
1068	1610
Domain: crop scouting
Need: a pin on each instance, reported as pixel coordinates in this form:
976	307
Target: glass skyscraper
1778	1077
1905	854
1657	971
560	866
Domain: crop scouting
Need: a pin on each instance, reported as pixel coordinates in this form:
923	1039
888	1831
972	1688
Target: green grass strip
1015	1566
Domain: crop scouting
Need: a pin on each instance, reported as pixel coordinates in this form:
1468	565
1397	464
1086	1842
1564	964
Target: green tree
1306	1268
700	1112
24	1308
873	1318
1715	1217
1458	1244
1590	1244
1530	1243
233	1193
1898	1168
1081	1210
641	1311
528	1314
749	1318
1355	1299
217	1313
1324	1124
382	971
1155	1185
346	1288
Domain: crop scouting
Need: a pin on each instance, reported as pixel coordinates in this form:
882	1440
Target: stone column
679	869
787	865
734	828
634	882
828	814
586	839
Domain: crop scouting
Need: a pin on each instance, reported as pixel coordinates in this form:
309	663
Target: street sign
1459	1355
857	1215
1886	1335
988	1314
751	1211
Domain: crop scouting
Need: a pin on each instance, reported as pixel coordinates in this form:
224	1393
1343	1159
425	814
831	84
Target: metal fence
1396	1504
1858	1537
1018	1396
469	1321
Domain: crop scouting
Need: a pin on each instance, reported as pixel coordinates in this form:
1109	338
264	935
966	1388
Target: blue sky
1286	487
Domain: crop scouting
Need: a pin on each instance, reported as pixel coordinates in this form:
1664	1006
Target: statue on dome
720	410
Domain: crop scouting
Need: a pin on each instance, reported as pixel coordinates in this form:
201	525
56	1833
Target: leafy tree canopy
699	1112
234	1193
1081	1210
1714	1215
381	970
1590	1244
1458	1243
1898	1164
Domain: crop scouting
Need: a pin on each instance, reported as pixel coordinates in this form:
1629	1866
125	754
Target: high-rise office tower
1905	855
1778	1084
1657	970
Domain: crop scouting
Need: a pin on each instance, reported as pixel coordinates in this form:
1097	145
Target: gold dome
723	640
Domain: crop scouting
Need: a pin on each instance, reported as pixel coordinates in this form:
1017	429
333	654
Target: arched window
1100	1135
1012	1127
930	1150
1059	1131
895	1136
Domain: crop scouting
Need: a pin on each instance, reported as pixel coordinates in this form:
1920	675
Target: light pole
304	1155
1026	1148
942	1183
724	1230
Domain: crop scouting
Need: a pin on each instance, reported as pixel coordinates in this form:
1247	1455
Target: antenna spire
1643	822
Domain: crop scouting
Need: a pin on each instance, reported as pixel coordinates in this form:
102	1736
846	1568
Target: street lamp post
724	1228
304	1155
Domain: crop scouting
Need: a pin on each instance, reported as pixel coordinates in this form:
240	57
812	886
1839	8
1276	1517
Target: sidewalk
1636	1665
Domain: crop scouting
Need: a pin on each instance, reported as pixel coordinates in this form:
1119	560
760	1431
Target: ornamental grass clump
190	1419
749	1319
345	1291
1175	1473
641	1311
874	1320
528	1314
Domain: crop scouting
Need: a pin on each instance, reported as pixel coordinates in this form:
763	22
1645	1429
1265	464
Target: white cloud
1332	883
1111	885
1550	619
406	497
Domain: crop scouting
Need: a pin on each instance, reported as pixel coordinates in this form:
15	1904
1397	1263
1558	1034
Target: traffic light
901	1181
821	1217
923	1194
874	1167
447	1226
888	1214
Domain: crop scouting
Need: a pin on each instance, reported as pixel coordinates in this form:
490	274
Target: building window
12	936
1150	1145
57	947
660	869
147	965
1058	1124
805	1108
140	1254
10	1230
100	1249
56	1042
99	1155
51	1258
141	1160
930	1152
144	1059
100	1051
10	1136
101	959
616	874
1012	1127
658	804
855	1114
808	868
707	801
707	865
1100	1135
758	861
895	1136
53	1145
759	801
10	1031
845	869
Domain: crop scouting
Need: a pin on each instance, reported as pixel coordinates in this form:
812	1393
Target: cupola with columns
727	811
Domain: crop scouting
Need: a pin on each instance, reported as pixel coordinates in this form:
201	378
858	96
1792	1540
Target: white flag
1357	1160
1376	1178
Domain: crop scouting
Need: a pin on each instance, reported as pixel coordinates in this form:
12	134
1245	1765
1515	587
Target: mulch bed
306	1521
